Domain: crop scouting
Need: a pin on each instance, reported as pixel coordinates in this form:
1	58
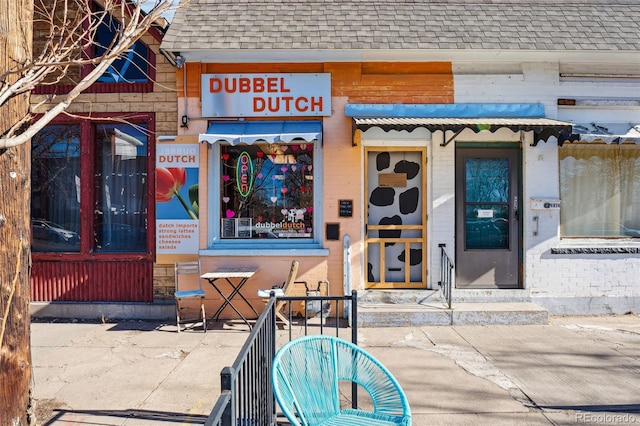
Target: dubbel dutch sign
261	95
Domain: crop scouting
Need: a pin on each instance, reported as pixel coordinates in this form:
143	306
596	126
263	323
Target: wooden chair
308	373
189	268
282	291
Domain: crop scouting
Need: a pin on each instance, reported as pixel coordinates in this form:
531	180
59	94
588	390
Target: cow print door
395	246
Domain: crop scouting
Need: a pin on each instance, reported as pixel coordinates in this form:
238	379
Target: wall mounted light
179	61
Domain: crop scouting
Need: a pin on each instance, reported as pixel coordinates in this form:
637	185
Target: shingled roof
541	25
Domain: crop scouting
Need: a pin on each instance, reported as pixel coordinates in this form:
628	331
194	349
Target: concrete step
165	311
490	296
399	296
419	314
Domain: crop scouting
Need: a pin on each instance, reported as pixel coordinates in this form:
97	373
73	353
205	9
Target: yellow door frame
421	228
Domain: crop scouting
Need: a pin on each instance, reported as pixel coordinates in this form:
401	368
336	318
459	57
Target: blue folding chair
189	268
309	371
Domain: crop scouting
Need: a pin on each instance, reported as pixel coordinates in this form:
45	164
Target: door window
396	222
487	203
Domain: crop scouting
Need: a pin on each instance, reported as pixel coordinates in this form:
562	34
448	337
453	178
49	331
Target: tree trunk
16	19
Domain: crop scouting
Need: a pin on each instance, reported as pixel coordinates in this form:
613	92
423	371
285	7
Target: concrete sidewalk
575	370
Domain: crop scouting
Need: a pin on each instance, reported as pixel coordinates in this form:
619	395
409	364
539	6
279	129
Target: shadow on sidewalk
94	416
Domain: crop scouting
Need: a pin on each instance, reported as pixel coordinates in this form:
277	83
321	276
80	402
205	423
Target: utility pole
16	22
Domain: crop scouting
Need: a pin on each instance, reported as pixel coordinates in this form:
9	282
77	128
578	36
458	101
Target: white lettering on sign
256	95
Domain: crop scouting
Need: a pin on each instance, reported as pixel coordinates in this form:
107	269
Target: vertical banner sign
177	199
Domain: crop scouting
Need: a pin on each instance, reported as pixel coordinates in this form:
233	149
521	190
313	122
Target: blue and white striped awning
249	132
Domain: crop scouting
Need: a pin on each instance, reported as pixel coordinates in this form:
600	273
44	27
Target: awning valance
606	132
543	128
249	132
458	117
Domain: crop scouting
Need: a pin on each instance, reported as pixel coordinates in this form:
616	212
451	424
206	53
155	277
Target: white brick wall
566	284
441	203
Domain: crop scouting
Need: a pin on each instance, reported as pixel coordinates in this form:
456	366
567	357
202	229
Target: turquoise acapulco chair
309	372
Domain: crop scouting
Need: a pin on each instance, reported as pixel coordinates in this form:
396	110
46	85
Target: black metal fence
247	396
446	274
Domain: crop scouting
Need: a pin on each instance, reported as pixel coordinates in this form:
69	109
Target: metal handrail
352	299
215	418
446	274
247	395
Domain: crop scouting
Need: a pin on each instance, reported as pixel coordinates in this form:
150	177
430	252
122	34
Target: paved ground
576	370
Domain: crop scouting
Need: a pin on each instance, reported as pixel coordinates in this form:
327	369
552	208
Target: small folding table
230	274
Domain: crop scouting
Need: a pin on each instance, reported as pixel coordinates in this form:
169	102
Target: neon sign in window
267	191
244	175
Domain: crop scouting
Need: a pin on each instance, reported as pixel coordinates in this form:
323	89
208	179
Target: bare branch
67	41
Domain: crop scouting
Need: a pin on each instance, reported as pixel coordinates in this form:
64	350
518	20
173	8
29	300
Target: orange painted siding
368	82
271	271
393	82
341	169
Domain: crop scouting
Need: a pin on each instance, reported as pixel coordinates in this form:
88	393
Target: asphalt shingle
604	25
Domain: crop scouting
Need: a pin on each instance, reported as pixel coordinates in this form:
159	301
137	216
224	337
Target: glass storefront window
55	189
266	191
85	167
599	189
120	177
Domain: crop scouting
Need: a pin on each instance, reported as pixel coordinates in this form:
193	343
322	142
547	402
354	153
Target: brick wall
162	102
163	282
571	284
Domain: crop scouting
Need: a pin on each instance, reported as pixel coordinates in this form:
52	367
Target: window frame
87	202
109	87
216	245
587	240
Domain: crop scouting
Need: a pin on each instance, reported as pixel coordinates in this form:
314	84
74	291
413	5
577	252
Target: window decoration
267	191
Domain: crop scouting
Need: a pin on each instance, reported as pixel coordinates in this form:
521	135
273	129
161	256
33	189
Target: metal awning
606	132
458	117
543	128
249	132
